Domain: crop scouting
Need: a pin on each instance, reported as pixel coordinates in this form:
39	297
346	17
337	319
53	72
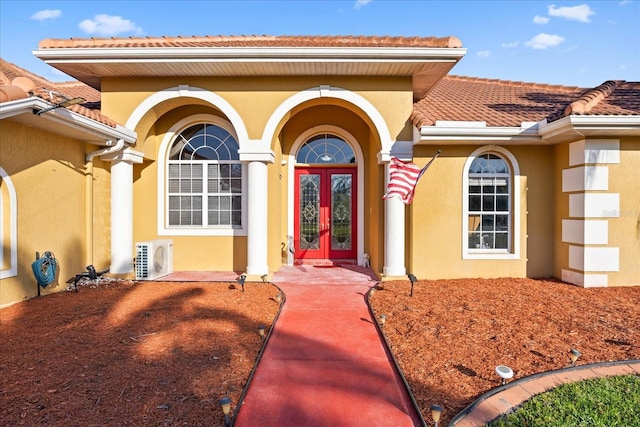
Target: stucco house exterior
253	152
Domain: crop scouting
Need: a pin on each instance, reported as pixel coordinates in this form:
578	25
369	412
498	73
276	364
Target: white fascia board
248	54
68	118
606	122
85	124
468	132
20	106
584	125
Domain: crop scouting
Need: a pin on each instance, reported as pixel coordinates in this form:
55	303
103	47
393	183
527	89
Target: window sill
202	232
489	254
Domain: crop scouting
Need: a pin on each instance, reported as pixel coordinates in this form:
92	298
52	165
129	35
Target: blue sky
581	43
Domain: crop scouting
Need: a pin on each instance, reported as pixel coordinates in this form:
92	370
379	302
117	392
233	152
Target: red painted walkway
325	364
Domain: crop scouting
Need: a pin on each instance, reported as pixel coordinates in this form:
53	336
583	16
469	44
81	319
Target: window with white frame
8	227
204	179
489	204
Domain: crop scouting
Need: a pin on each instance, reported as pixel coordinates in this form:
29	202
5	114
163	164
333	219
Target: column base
257	270
394	271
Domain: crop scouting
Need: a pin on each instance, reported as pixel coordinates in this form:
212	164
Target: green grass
599	402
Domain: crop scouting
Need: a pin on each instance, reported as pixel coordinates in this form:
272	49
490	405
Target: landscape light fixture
66	102
241	280
279	297
436	411
372	291
265	278
575	354
383	319
225	404
261	331
413	280
504	372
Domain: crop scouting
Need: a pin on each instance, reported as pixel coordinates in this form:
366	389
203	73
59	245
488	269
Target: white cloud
360	3
107	25
510	45
43	15
543	41
580	13
484	53
540	19
623	2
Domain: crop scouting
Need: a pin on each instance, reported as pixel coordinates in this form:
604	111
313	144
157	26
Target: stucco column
122	209
394	234
257	219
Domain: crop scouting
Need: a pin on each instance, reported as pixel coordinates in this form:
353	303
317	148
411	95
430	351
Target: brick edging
559	377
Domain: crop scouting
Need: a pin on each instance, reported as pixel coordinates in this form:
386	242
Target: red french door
325	207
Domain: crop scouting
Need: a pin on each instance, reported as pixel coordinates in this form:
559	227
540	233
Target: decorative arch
325	91
186	91
8	227
515	207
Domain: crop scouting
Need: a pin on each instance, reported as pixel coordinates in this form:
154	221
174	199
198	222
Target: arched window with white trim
204	179
491	205
8	227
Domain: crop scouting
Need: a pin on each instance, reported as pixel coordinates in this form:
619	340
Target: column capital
256	155
402	150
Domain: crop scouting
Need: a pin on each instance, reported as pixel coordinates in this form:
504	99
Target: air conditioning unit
154	259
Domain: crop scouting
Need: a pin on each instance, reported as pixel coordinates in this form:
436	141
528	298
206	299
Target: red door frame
325	251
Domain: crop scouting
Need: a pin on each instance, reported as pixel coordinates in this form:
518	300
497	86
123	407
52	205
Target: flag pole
429	164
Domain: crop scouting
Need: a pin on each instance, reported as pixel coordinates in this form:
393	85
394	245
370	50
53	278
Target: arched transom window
326	149
489	208
204	179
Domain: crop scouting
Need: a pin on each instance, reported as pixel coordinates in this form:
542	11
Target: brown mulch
129	354
163	354
449	337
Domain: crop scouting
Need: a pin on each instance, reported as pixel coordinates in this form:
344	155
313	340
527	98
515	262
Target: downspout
110	148
107	150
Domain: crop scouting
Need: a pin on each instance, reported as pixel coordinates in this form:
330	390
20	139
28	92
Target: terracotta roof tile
10	75
507	103
610	98
254	41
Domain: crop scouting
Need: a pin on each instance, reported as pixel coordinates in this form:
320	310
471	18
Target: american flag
403	177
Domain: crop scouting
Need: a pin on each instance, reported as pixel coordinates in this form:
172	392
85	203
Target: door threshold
325	263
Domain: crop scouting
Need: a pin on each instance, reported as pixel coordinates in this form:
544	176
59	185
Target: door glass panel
309	212
341	197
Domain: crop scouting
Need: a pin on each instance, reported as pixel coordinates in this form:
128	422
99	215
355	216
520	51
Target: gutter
68	118
248	54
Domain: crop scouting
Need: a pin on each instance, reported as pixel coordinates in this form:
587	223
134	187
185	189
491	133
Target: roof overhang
90	65
575	127
63	122
567	129
478	133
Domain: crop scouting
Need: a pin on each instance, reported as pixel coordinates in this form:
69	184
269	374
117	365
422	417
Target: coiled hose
45	269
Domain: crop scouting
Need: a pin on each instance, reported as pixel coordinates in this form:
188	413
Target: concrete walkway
325	364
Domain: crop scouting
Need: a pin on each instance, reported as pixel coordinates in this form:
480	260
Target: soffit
90	60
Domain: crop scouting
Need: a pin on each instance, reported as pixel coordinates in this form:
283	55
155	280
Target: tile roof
611	97
508	103
18	83
265	41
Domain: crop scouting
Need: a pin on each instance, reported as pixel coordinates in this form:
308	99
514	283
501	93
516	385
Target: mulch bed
449	337
131	354
128	354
